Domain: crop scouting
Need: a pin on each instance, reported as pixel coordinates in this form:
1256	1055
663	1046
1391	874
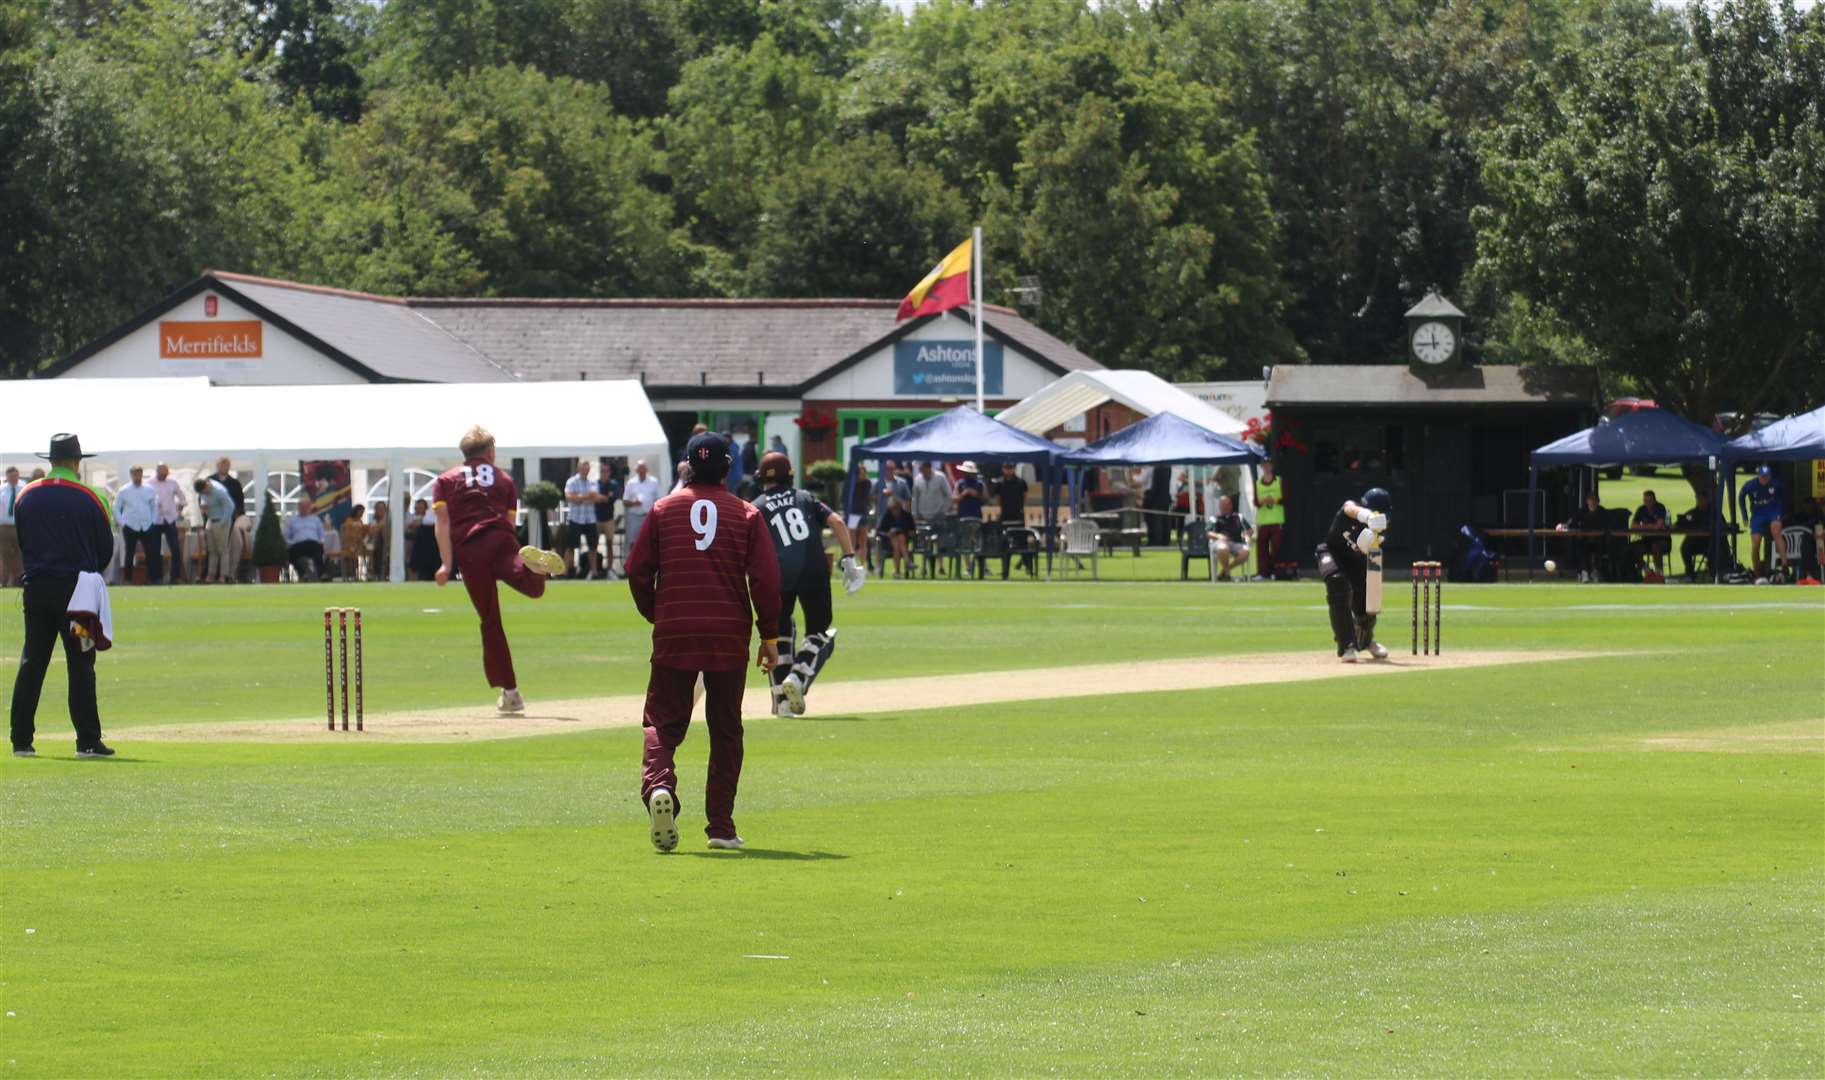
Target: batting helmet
1378	500
775	468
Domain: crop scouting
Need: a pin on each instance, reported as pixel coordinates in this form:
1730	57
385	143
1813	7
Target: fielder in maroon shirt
476	505
704	574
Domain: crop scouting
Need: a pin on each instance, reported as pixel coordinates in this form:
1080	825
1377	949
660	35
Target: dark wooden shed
1450	446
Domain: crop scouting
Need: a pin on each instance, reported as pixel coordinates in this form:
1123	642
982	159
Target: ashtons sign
945	368
233	340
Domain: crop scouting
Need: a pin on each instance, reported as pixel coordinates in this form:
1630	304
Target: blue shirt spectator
214	501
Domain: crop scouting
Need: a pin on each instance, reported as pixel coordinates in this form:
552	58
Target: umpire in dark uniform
64	530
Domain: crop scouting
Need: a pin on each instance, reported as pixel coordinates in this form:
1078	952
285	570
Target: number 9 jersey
703	573
479	496
795	520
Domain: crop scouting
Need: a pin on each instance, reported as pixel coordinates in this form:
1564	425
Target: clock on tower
1435	335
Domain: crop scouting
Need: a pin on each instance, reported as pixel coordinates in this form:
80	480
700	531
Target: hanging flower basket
815	419
1273	436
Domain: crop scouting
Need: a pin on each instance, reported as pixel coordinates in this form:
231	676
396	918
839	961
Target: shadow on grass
871	718
767	853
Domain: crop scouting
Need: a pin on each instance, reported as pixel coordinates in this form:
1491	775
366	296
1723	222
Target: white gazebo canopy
125	421
1142	391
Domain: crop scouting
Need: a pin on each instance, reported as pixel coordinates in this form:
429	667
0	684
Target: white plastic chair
1793	539
1080	539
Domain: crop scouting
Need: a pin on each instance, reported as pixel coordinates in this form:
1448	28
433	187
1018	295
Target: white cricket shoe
510	703
1377	651
732	843
1348	655
795	693
664	813
549	563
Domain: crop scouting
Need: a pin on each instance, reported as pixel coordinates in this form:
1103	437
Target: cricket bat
1371	592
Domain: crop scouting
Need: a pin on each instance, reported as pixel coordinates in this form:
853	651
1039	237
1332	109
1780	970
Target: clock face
1433	343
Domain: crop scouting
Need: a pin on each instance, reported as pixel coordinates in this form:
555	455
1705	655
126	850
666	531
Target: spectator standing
931	495
1229	536
64	531
1651	514
750	460
1158	505
1270	518
171	503
968	494
136	508
304	543
1763	501
12	564
609	487
217	508
581	494
858	514
379	539
1010	493
224	475
638	497
1699	522
737	473
425	558
705	575
354	542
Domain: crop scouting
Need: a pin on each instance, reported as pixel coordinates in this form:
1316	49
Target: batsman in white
796	519
1349	561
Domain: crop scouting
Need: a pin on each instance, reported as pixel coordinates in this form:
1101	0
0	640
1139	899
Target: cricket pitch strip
853	697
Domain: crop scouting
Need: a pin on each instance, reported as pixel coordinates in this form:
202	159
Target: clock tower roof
1434	306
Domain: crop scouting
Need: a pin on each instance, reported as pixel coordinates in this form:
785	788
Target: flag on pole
946	287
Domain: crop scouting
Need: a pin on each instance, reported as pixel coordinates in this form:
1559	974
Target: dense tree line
1199	187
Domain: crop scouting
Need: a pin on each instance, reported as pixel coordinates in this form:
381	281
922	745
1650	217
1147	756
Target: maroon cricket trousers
488	556
668	717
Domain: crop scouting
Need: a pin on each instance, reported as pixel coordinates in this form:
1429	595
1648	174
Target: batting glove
1378	522
854	574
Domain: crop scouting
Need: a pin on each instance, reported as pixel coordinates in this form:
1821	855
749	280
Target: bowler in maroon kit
704	574
476	505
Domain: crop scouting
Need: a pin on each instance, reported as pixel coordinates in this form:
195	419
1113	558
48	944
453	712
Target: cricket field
1031	829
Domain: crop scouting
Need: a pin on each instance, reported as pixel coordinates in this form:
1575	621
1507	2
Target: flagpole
976	293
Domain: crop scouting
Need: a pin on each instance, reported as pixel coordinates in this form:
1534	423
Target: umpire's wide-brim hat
64	447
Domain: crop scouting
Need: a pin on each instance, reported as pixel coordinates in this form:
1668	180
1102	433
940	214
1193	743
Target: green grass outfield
1475	871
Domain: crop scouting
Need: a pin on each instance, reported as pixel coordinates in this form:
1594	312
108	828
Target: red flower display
1271	435
816	419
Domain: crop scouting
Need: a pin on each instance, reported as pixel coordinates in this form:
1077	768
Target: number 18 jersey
478	495
795	520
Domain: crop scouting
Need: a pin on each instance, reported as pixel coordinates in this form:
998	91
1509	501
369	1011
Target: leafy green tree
1667	203
740	117
854	221
311	46
1137	270
501	182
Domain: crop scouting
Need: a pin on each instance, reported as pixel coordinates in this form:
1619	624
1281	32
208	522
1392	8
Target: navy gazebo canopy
1164	439
1643	437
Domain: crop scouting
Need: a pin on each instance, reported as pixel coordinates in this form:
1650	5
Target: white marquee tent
393	425
1142	391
